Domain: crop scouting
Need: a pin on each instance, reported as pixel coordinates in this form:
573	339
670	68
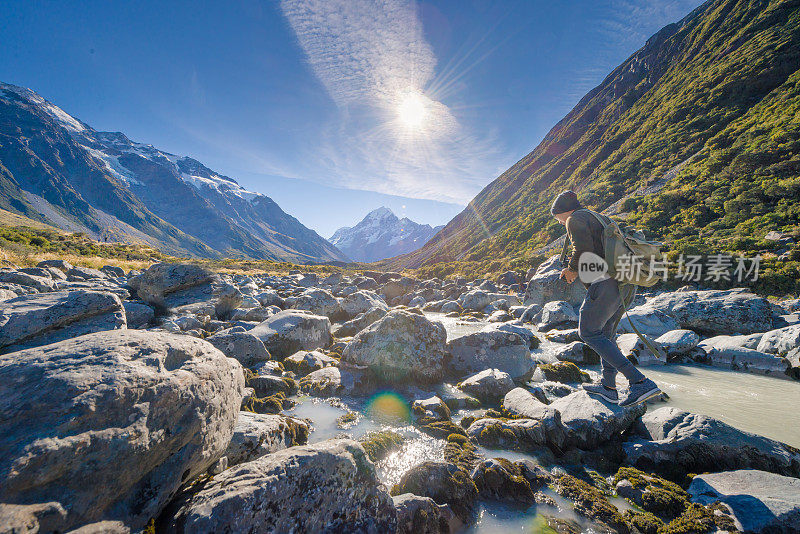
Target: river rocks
589	422
327	381
362	302
168	285
42	318
716	312
227	299
136	413
676	343
507	352
526	435
444	483
270	297
401	346
577	352
286	332
242	346
421	515
38	283
523	331
31	518
318	302
137	314
557	314
742	359
515	482
677	442
760	501
749	341
329	486
648	320
633	348
258	434
489	385
547	285
304	362
780	341
359	322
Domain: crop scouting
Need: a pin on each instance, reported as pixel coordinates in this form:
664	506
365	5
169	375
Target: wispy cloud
370	55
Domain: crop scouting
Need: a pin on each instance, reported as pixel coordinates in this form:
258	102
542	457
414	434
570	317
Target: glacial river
758	404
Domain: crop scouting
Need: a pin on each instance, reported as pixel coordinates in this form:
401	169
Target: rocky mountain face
58	170
381	234
721	87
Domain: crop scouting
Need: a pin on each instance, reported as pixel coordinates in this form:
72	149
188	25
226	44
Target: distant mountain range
58	170
694	138
381	234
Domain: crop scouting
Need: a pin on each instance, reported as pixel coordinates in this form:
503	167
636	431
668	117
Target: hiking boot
602	391
640	392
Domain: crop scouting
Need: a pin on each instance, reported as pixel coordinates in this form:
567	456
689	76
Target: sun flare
412	111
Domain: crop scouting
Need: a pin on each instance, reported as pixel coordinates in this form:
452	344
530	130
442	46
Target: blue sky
331	107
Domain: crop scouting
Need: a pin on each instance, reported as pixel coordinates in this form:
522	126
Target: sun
412	111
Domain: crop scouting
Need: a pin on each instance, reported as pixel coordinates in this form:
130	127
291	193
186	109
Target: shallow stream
758	404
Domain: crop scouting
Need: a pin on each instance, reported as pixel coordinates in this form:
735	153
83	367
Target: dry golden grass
30	259
8	218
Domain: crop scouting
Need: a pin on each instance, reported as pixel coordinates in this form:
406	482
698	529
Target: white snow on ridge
65	119
220	185
113	166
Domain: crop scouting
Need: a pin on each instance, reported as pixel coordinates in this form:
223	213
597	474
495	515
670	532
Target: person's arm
579	234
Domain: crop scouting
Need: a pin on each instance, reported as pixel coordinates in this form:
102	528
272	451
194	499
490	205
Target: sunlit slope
721	83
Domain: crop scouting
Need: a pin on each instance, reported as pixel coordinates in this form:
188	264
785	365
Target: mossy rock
379	444
502	480
347	420
273	404
547	524
590	502
653	493
563	372
444	483
440	429
460	452
697	519
644	522
467	420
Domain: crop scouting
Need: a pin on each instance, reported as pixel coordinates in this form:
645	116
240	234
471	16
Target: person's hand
569	275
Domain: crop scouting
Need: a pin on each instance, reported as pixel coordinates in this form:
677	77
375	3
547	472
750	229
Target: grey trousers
599	316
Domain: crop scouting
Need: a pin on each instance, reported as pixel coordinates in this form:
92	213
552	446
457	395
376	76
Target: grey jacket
586	235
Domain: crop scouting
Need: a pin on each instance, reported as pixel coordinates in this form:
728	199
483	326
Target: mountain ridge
668	101
381	234
55	168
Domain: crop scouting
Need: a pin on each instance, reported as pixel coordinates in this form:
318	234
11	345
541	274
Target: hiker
602	307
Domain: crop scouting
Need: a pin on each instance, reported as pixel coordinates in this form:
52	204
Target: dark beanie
566	201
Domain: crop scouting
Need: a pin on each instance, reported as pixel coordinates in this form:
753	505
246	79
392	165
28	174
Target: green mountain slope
721	84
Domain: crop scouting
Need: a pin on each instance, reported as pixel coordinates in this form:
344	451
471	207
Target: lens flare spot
388	406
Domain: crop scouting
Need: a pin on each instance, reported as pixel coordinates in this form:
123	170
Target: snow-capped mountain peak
381	234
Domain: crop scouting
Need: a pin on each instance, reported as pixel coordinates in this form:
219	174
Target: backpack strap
657	351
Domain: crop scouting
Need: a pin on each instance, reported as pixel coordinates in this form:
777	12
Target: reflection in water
420	448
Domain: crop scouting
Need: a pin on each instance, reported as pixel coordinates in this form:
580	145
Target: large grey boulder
650	321
760	501
678	342
242	346
577	352
489	385
742	359
42	318
111	424
526	435
421	515
291	330
557	314
780	341
523	331
747	341
39	283
675	442
547	285
359	322
444	483
258	434
138	314
716	312
329	486
361	302
590	422
505	351
475	300
399	347
328	381
319	302
170	285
